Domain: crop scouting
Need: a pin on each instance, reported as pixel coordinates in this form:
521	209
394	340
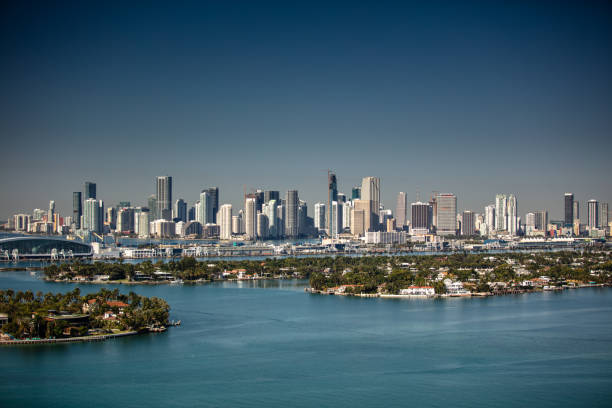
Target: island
27	318
456	274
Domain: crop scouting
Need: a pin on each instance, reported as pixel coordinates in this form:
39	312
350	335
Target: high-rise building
152	204
370	191
336	219
530	221
259	199
77	209
576	211
593	214
319	216
111	218
467	224
205	213
569	209
164	197
358	220
400	210
292	220
489	219
281	216
250	217
501	212
51	211
603	215
262	226
446	214
143	225
237	225
179	212
125	220
214	200
356	193
512	223
270	210
93	215
303	227
332	195
225	221
347	212
541	220
421	218
191	214
271	195
90	190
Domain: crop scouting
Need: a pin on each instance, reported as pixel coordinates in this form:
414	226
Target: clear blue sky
473	98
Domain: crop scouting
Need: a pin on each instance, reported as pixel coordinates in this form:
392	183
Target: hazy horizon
473	98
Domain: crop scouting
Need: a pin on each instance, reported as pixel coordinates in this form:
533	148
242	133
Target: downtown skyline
474	99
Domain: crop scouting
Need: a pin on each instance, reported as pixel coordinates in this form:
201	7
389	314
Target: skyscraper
358	220
319	216
541	220
603	215
447	214
179	212
490	219
400	210
467	224
292	221
332	195
270	212
569	209
356	193
512	223
205	213
592	214
501	212
225	221
336	219
90	190
164	197
51	211
77	209
370	191
250	214
271	195
421	218
262	225
214	199
93	215
152	204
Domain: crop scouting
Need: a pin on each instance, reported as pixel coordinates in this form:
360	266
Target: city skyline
419	95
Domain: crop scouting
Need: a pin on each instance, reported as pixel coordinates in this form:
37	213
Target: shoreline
81	339
446	295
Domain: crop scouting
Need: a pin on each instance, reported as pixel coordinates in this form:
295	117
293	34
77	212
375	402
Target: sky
473	98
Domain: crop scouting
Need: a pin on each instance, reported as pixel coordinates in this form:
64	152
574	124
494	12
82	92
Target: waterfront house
455	287
418	291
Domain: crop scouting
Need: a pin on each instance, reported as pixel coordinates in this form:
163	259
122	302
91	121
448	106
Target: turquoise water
269	344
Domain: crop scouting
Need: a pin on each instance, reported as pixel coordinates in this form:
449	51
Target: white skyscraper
93	215
512	222
336	218
347	211
501	212
225	221
319	216
250	218
270	212
490	219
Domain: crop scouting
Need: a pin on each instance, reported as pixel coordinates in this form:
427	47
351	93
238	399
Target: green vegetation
385	274
66	315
